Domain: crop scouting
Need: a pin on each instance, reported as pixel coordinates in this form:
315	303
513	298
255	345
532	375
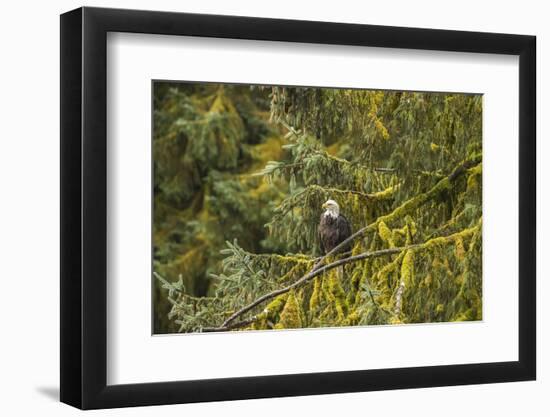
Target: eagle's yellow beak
324	205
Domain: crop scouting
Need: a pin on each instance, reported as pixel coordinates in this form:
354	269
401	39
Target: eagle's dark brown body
332	231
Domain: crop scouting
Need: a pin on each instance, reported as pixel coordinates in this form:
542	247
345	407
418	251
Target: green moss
270	314
441	241
385	233
363	276
291	316
382	277
407	268
338	295
459	248
474	177
385	194
315	298
352	319
411	228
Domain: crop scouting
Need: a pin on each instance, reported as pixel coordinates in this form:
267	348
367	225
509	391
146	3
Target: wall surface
29	237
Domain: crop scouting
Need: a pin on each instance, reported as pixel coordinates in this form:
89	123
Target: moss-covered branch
400	212
317	270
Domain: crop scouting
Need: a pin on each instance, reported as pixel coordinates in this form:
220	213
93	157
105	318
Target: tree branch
318	270
232	326
405	208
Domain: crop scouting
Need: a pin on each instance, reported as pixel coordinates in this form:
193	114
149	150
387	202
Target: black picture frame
84	207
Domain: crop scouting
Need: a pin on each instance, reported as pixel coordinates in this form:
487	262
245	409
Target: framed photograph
257	208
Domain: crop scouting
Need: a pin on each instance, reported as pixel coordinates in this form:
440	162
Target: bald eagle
334	228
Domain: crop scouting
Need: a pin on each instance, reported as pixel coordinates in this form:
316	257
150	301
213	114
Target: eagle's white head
332	208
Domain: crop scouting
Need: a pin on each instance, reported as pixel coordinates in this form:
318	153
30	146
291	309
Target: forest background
241	172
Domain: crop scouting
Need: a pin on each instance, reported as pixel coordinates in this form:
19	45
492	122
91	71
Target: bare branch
231	326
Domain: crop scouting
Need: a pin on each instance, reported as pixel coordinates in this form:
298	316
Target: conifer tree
405	168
